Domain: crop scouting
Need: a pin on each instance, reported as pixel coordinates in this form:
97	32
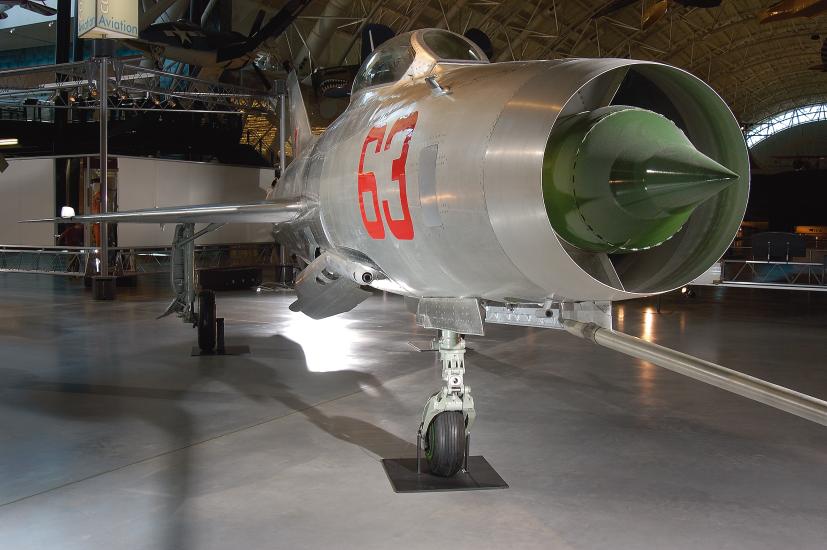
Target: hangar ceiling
759	68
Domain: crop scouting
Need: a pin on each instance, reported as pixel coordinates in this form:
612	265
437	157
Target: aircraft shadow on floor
93	394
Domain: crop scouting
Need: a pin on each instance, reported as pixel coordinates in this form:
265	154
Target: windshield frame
481	57
423	61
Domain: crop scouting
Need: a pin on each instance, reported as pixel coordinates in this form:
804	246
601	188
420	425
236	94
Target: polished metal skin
468	216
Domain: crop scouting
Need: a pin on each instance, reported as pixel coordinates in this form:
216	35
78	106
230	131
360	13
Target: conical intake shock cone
623	179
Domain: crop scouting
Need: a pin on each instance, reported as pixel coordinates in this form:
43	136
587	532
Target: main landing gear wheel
206	320
445	443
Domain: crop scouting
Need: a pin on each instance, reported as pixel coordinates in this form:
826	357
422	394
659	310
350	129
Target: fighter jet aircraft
32	5
791	9
214	52
527	193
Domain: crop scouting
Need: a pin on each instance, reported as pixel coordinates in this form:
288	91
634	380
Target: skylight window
783	121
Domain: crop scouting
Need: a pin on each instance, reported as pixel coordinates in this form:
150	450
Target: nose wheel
445	444
449	413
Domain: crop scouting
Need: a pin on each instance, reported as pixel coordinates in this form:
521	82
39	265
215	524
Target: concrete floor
112	436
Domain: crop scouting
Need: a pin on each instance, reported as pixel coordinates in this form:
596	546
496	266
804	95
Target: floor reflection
332	353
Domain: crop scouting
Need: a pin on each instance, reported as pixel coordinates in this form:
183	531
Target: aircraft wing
270	211
36	7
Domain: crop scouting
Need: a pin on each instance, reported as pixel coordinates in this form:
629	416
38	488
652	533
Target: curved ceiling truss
759	69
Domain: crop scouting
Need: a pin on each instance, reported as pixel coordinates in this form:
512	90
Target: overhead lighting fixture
8	142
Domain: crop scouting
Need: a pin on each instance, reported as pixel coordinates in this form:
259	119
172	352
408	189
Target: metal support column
103	286
103	113
281	88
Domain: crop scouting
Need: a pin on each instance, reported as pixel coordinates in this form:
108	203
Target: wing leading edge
272	211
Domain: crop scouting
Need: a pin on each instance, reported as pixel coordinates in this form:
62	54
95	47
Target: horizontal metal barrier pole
782	398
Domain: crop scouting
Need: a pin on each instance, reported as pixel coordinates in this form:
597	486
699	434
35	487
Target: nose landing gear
444	435
449	413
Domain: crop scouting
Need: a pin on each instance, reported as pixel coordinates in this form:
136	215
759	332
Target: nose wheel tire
445	443
206	320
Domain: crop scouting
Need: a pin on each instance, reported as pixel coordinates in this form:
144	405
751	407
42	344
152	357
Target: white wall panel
152	183
27	191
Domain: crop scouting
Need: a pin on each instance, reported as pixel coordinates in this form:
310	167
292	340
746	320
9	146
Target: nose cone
623	179
673	180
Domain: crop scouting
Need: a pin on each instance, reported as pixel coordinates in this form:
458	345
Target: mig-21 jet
530	193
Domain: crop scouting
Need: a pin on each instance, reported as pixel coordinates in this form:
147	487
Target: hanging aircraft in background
213	52
524	193
652	13
791	9
32	5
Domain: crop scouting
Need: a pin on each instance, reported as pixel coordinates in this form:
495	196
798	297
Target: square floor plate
404	478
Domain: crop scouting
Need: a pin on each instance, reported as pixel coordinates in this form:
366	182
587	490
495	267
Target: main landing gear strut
193	306
444	432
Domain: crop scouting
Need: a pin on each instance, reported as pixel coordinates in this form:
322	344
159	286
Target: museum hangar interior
254	255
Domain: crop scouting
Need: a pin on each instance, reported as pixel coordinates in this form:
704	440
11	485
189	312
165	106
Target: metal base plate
228	350
404	478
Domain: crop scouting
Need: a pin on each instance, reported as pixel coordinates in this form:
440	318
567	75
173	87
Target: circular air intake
647	190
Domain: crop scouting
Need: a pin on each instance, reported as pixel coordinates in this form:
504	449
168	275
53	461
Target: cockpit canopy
415	54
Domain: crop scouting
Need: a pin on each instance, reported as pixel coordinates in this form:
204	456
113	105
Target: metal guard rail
84	261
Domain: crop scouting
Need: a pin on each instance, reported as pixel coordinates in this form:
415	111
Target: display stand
404	478
412	475
220	348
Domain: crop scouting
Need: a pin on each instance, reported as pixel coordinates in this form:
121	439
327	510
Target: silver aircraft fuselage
435	180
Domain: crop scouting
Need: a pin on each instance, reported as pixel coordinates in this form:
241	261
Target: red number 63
402	228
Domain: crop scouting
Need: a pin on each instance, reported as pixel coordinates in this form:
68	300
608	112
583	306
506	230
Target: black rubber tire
445	440
206	320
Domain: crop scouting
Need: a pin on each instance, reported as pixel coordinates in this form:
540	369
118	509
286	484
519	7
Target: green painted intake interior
621	179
